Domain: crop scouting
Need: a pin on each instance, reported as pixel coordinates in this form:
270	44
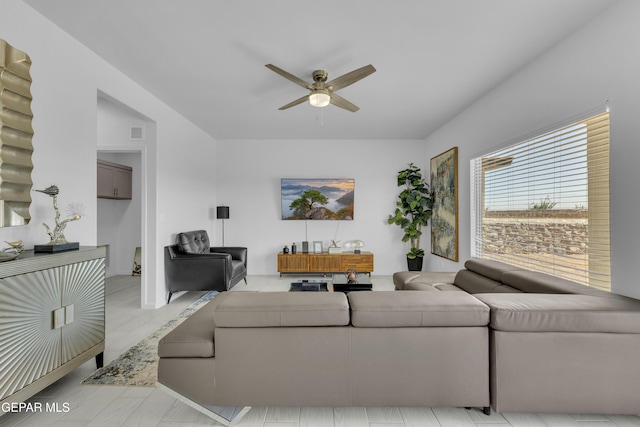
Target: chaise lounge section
556	345
564	353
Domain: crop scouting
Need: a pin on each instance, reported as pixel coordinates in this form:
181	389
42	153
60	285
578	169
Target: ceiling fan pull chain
321	117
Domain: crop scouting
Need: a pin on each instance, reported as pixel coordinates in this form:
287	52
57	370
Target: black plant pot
415	264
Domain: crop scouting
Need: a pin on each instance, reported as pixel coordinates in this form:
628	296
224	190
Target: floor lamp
222	212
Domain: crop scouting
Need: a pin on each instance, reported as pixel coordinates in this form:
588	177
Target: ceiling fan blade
289	76
350	78
339	101
294	103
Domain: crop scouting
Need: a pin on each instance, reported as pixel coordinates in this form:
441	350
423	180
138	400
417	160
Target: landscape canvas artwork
317	198
444	220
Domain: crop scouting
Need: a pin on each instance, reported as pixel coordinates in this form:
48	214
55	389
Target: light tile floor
147	406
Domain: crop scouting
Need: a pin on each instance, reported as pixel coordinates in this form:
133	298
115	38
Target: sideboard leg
99	360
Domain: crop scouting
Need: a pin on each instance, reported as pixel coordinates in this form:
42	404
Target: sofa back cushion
476	283
424	280
484	276
489	268
193	242
397	309
282	309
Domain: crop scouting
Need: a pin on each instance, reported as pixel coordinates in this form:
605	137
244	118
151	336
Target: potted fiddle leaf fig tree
413	211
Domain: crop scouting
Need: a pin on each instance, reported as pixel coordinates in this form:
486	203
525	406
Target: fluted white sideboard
51	318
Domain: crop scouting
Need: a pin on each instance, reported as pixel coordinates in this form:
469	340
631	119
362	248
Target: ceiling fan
323	91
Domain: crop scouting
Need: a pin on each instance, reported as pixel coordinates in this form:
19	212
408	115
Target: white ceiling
205	58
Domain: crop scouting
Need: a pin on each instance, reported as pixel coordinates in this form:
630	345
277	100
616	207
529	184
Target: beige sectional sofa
489	335
331	349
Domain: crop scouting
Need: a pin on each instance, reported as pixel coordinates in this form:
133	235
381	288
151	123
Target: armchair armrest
236	252
183	256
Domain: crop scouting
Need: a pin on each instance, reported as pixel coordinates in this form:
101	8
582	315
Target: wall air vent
136	133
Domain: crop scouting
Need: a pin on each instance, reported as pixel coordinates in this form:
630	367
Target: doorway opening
123	139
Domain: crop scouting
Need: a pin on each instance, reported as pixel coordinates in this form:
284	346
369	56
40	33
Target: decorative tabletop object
17	245
334	248
356	245
12	252
351	274
58	242
8	254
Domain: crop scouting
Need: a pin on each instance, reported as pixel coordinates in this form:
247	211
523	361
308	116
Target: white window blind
543	204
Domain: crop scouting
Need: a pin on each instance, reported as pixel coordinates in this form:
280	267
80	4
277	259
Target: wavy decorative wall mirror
16	134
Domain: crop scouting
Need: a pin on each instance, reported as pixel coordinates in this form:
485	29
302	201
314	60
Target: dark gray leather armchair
192	265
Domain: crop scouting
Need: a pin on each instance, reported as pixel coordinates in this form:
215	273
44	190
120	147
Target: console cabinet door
83	296
29	340
361	262
324	263
293	263
47	318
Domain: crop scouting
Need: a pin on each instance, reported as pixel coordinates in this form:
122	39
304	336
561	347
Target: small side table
342	284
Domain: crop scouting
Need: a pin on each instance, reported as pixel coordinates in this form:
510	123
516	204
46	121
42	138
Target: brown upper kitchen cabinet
114	181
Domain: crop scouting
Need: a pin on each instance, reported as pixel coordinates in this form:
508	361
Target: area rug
138	366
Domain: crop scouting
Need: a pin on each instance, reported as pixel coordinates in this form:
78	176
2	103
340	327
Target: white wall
248	174
595	64
67	78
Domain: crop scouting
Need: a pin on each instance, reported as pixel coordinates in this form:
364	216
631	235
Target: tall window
543	204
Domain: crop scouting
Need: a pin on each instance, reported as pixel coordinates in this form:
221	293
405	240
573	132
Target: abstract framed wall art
444	220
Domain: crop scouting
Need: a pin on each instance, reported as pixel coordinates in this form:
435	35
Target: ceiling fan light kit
322	93
319	98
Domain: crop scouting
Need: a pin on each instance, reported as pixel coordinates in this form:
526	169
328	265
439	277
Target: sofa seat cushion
422	280
416	309
561	313
238	271
286	309
195	336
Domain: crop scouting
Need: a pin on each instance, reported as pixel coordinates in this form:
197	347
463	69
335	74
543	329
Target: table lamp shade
222	212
